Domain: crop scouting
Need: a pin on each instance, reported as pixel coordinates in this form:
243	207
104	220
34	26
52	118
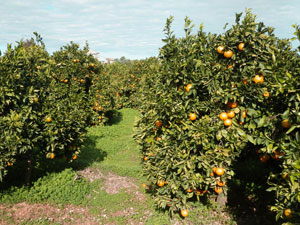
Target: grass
111	150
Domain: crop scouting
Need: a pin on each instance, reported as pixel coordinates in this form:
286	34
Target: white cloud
130	28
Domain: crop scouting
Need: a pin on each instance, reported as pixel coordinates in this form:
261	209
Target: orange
228	54
75	78
160	183
218	190
193	116
266	94
227	122
66	81
288	213
9	164
220	49
214	169
188	87
184	213
285	123
231	114
221	183
244	81
244	114
223	116
144	186
158	123
35	99
145	158
158	138
258	79
219	171
189	190
264	158
74	157
241	46
52	155
229	67
48	119
232	104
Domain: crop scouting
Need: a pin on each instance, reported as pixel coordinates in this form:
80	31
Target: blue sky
130	28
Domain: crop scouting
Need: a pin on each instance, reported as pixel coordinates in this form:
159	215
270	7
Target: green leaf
261	122
250	138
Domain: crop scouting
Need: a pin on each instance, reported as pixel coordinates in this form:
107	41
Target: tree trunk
29	169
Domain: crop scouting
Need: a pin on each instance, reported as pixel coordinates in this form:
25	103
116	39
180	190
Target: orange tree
83	73
217	96
44	112
24	77
128	80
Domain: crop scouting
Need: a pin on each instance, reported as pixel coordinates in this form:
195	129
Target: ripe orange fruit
266	94
66	81
227	122
229	67
9	164
241	46
81	80
144	186
223	116
219	171
189	190
258	79
158	138
218	190
286	124
244	114
244	81
232	105
220	49
228	54
74	157
188	87
52	155
231	114
145	158
48	119
264	158
160	183
288	213
221	183
158	123
184	213
192	116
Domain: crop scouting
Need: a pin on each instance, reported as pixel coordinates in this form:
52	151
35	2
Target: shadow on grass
115	117
43	166
248	200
